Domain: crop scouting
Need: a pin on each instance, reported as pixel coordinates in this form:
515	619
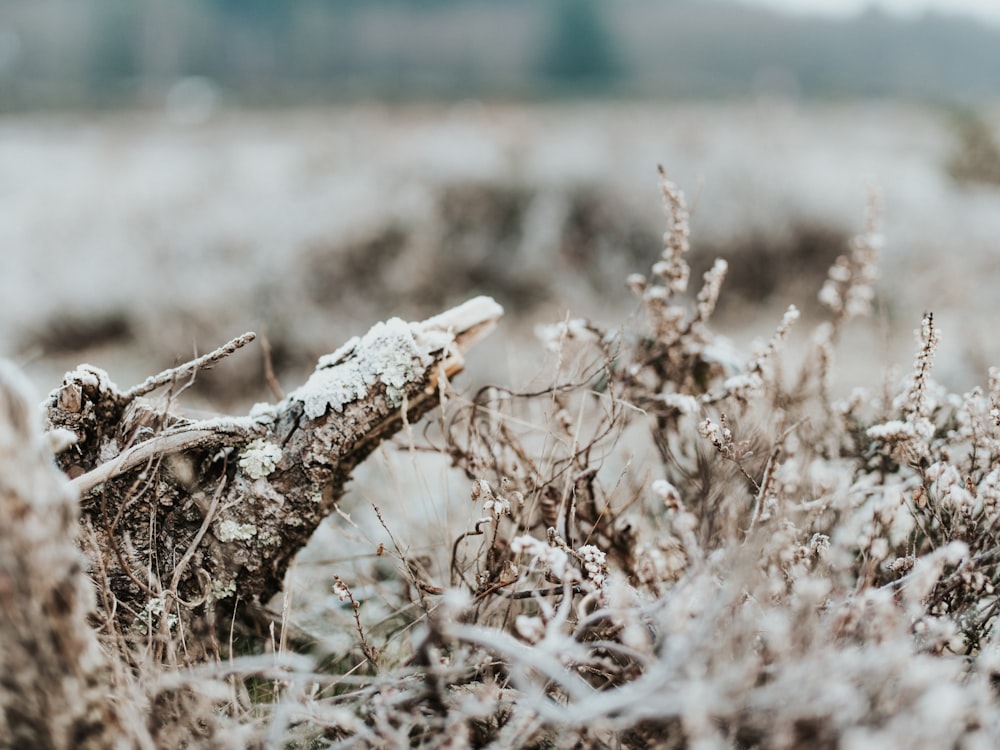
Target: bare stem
167	377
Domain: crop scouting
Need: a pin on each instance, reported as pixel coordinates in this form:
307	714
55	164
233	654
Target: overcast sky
985	10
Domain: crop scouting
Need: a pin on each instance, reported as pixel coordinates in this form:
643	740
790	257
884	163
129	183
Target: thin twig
269	376
553	591
344	592
209	517
166	377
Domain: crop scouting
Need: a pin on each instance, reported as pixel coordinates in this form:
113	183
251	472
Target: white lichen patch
231	531
387	354
267	538
260	458
222	591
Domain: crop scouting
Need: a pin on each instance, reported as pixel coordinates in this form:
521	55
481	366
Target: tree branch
149	477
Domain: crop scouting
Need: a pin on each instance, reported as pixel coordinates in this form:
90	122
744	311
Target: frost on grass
388	354
795	571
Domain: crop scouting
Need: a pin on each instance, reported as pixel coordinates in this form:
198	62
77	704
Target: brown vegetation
668	544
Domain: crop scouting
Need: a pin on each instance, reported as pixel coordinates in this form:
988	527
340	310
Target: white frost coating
684	403
554	335
59	440
89	375
531	629
479	311
388	353
263	411
259	458
595	563
669	494
229	531
555	559
342	353
394	353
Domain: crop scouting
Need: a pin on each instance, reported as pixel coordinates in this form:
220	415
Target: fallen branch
172	441
149	478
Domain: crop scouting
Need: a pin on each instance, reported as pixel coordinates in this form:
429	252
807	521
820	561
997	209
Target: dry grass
671	545
667	544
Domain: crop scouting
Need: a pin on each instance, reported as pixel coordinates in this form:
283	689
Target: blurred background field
131	240
177	172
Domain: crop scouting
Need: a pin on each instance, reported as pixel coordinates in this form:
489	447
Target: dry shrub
798	570
670	544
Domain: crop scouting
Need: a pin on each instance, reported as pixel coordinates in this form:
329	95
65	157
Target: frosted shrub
670	544
797	571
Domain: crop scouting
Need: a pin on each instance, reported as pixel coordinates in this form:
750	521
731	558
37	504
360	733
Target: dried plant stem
56	690
269	376
370	652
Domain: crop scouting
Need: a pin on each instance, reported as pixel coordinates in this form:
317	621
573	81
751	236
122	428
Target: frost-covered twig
174	374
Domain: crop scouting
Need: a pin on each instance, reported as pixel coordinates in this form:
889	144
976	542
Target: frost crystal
595	564
669	494
552	558
388	354
260	458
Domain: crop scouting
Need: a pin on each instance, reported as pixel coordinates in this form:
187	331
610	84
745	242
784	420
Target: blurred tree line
94	53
